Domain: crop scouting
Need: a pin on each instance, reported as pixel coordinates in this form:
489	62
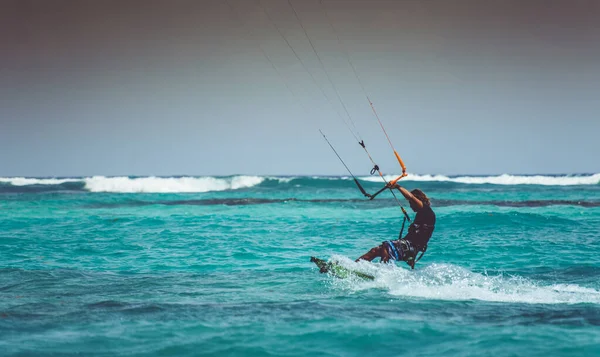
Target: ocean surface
220	266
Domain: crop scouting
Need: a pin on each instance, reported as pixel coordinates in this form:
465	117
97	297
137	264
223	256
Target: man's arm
409	196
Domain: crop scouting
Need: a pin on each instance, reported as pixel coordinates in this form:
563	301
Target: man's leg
379	251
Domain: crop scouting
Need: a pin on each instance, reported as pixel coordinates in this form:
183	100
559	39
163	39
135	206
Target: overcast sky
184	87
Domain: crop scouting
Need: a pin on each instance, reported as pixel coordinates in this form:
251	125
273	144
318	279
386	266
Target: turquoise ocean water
219	266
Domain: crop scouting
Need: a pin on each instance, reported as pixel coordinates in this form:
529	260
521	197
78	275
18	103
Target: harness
414	261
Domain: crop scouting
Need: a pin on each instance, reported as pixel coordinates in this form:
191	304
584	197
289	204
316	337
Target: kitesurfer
419	231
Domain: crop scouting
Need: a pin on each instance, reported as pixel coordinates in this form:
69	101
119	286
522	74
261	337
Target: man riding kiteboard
419	231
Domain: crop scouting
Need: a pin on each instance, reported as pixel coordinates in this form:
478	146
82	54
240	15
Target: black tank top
422	227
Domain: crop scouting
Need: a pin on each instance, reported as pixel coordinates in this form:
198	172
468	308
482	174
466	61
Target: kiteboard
335	269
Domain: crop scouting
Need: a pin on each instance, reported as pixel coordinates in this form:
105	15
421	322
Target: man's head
421	197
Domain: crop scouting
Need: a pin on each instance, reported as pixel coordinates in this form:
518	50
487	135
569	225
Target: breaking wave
191	184
26	181
130	184
551	180
169	184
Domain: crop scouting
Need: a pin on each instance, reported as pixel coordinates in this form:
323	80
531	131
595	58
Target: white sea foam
283	179
169	184
26	181
451	282
566	180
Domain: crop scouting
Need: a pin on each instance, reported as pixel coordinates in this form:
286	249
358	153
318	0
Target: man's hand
390	185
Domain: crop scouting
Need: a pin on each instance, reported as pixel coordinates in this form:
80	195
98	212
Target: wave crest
189	184
26	181
505	179
169	184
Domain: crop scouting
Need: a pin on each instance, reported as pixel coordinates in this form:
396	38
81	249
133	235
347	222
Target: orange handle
401	163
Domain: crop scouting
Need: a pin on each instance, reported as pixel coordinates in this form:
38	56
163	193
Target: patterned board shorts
400	249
